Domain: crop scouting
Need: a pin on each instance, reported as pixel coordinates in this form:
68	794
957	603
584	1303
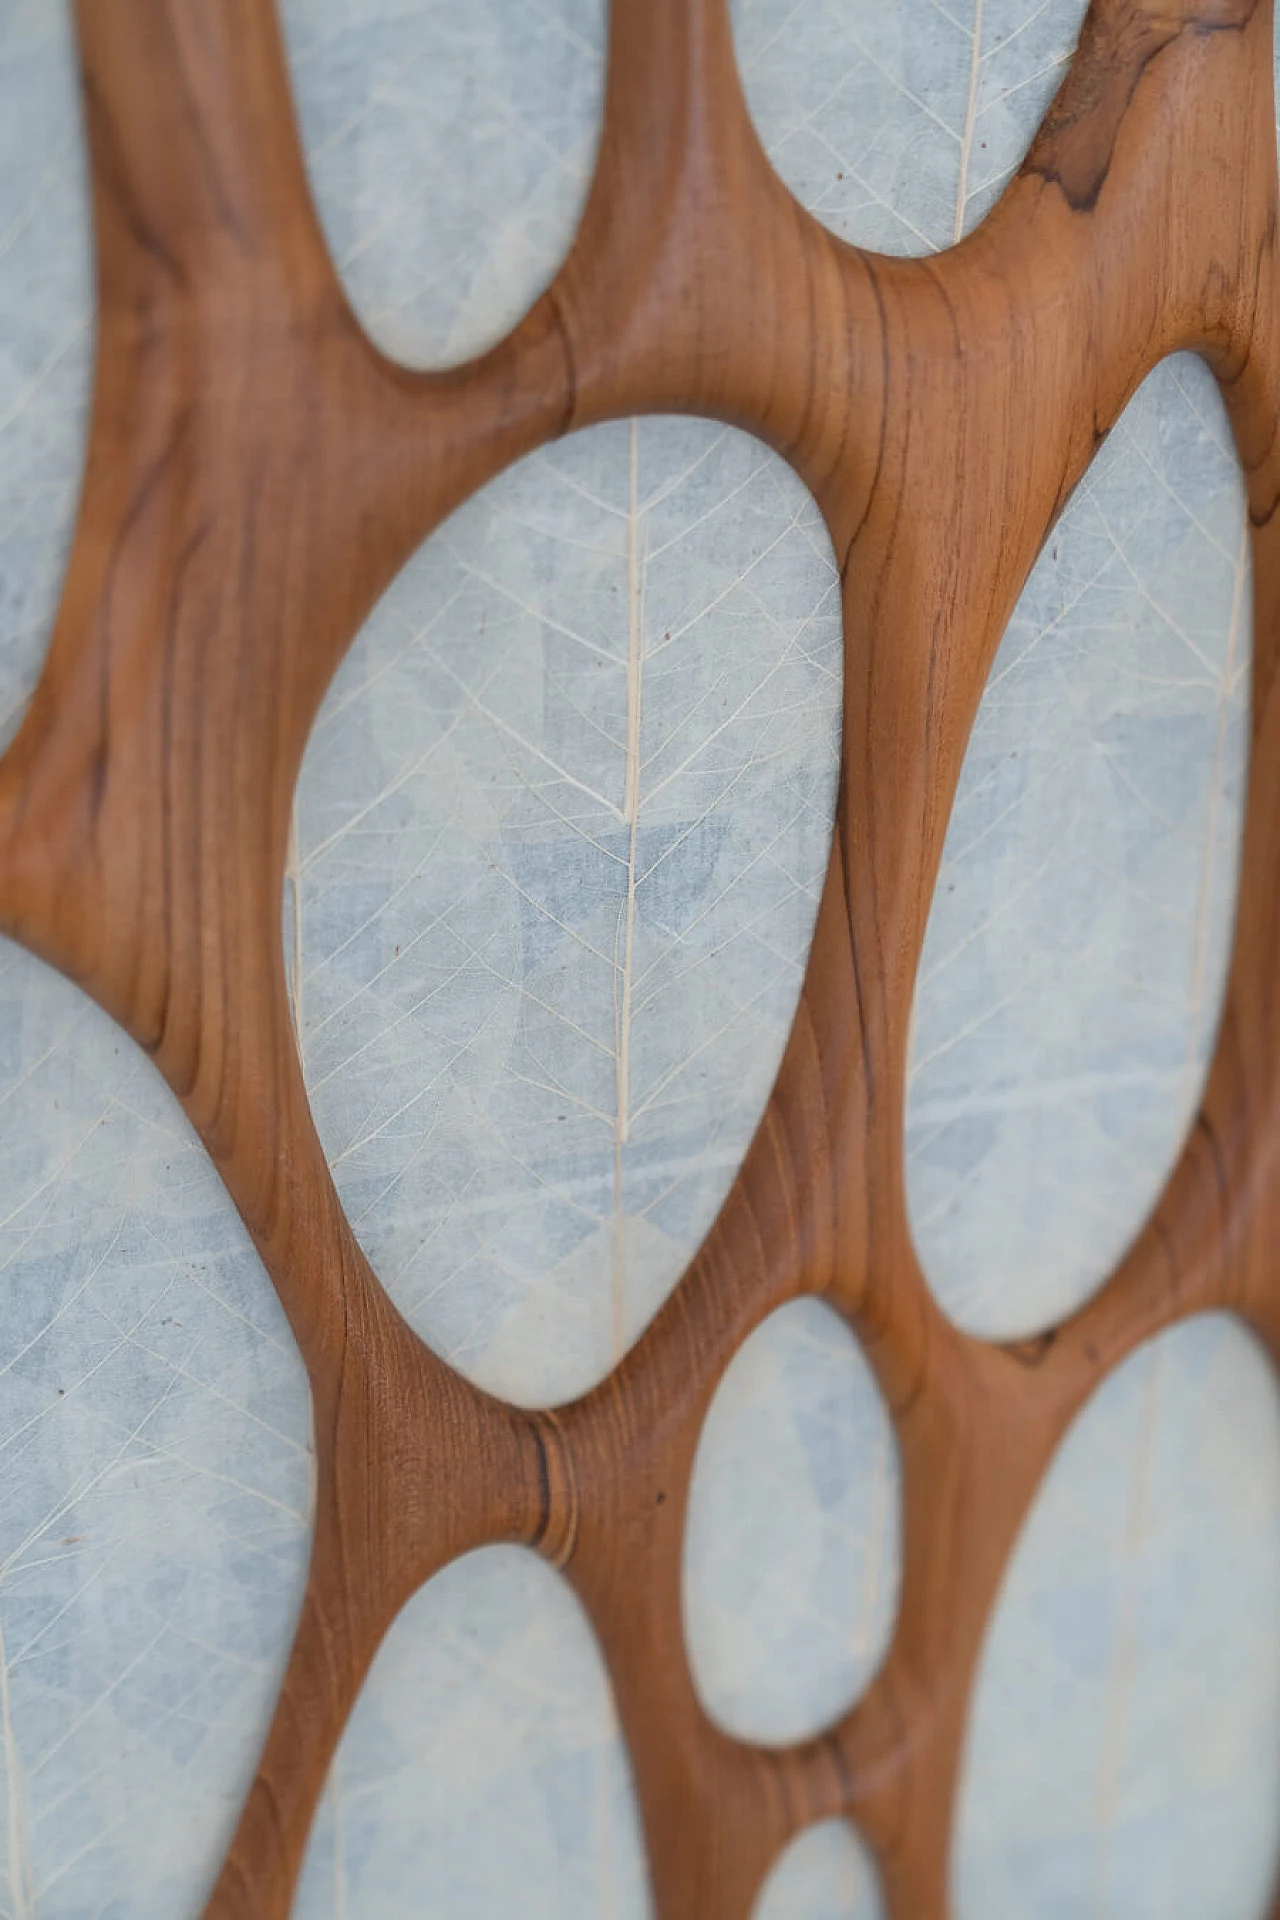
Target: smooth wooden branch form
257	474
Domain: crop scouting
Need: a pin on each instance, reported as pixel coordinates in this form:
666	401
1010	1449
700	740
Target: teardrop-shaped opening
46	335
155	1475
825	1874
562	824
1076	953
898	126
450	148
482	1773
1123	1755
792	1547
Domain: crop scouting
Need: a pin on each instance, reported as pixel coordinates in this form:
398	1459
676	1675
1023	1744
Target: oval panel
46	334
450	146
1123	1758
897	125
791	1561
825	1874
155	1477
562	824
482	1773
1076	953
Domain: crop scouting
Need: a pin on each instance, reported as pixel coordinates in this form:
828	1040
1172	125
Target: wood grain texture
258	473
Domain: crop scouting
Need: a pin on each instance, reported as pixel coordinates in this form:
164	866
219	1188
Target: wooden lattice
258	473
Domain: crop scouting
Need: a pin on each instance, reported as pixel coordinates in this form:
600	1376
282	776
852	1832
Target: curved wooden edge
257	475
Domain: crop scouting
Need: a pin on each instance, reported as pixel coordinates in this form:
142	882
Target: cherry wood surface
258	473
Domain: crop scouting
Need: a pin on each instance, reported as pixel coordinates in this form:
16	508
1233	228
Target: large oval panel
450	145
792	1546
46	334
1077	945
563	820
1123	1756
155	1477
897	124
482	1773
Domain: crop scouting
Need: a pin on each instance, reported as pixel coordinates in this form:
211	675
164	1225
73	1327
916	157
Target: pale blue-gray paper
560	833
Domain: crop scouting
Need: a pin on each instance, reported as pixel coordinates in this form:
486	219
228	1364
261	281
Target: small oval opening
46	336
450	148
791	1561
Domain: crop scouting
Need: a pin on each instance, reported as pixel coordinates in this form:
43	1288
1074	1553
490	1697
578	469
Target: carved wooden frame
257	474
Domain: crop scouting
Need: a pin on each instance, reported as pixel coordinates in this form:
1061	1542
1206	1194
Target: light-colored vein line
416	634
192	1468
1214	425
558	813
1204	898
554	21
563	687
786	963
677	633
556	536
56	354
545	464
543	618
555	1188
957	856
1009	38
374	1039
34	1421
513	733
970	120
181	1369
688	528
78	1493
21	1879
293	878
713	1039
28	1649
758	52
56	1046
1124	1656
1163	482
1044	1092
423	933
838	192
133	1814
1121	773
538	906
624	978
1056	65
674	482
1007	903
68	1303
608	1120
708	740
37	198
402	779
971	1026
453	1210
739	928
51	1180
340	1907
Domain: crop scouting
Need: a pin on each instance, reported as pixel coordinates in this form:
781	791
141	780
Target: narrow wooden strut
258	473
